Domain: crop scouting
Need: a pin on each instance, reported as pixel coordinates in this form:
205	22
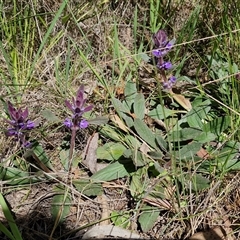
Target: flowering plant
19	124
162	47
78	109
76	121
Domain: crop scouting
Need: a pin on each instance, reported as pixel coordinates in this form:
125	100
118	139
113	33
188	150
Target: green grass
168	154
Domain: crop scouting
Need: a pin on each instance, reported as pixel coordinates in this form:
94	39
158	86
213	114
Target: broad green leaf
196	115
99	120
121	219
110	151
139	159
184	134
50	116
218	125
14	176
232	165
61	203
119	106
64	157
157	155
161	112
198	182
161	142
130	93
157	170
189	150
123	111
15	233
139	106
226	158
145	133
21	163
42	156
110	132
130	90
139	183
88	187
205	137
132	142
144	57
148	218
114	171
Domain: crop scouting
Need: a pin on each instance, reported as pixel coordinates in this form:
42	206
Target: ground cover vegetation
119	119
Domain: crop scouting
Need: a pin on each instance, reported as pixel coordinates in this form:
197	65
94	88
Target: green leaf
14	176
161	112
121	219
218	125
205	137
184	134
6	232
189	150
119	106
132	142
110	151
42	156
144	57
9	217
123	111
139	106
61	203
50	116
110	132
145	133
148	218
114	171
161	142
139	183
130	93
130	90
196	115
99	120
88	187
198	182
226	158
139	159
64	157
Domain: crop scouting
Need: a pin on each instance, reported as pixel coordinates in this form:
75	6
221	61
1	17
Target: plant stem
72	147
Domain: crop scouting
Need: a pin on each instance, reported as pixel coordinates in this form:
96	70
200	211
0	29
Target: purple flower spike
19	123
77	106
78	109
160	39
169	84
165	65
161	43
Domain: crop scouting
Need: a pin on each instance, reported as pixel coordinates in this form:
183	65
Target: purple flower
77	106
83	123
19	123
78	109
160	39
161	44
169	84
165	65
